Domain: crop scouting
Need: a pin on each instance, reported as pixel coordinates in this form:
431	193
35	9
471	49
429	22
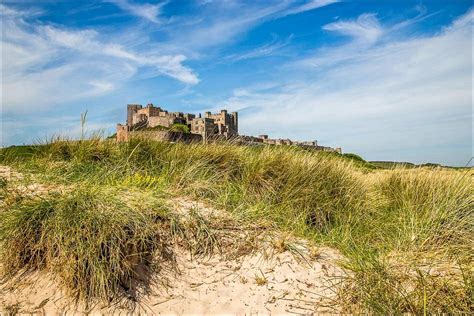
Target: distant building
220	125
143	122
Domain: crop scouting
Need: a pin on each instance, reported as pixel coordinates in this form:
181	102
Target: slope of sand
268	280
251	284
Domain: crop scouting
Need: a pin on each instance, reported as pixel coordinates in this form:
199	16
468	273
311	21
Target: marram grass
91	239
407	234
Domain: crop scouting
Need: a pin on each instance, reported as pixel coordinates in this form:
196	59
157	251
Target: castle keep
145	119
156	123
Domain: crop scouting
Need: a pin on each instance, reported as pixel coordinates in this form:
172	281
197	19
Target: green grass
392	164
413	252
406	233
91	238
155	128
183	128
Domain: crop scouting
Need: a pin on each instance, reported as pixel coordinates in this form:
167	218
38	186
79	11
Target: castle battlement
219	125
210	127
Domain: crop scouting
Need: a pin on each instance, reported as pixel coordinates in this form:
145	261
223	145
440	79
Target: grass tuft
91	239
406	233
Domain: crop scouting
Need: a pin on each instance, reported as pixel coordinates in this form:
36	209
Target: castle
156	123
211	126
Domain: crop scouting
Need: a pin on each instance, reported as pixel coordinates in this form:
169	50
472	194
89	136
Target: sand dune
266	280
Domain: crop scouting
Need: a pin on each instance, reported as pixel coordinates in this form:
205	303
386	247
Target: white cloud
45	65
43	58
266	50
221	25
147	11
224	21
405	99
309	5
170	65
6	11
365	29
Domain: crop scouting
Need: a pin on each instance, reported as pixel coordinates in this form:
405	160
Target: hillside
111	223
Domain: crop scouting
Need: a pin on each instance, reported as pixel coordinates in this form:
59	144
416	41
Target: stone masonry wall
168	136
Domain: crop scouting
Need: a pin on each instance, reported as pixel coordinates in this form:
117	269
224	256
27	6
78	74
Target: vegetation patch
176	127
406	233
91	239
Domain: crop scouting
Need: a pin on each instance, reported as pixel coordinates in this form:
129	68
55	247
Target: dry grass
401	230
91	239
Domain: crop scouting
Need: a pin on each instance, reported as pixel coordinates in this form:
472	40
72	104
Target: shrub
91	239
183	128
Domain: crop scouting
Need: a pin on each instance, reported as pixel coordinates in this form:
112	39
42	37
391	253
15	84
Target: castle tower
235	120
132	109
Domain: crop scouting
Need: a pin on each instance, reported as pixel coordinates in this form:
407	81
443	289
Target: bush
91	239
354	157
183	128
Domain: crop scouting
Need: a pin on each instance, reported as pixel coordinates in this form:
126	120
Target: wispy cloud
59	64
406	98
85	41
221	25
224	22
147	11
6	11
307	6
366	28
363	33
266	50
56	64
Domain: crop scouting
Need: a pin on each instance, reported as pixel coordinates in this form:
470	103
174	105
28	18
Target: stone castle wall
227	124
210	128
210	125
159	121
167	136
124	135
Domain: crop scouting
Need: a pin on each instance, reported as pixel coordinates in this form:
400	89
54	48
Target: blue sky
389	80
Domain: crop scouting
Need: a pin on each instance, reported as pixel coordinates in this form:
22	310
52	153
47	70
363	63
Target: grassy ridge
407	234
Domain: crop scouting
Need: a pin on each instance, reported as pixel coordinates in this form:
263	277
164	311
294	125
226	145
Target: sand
266	281
250	285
